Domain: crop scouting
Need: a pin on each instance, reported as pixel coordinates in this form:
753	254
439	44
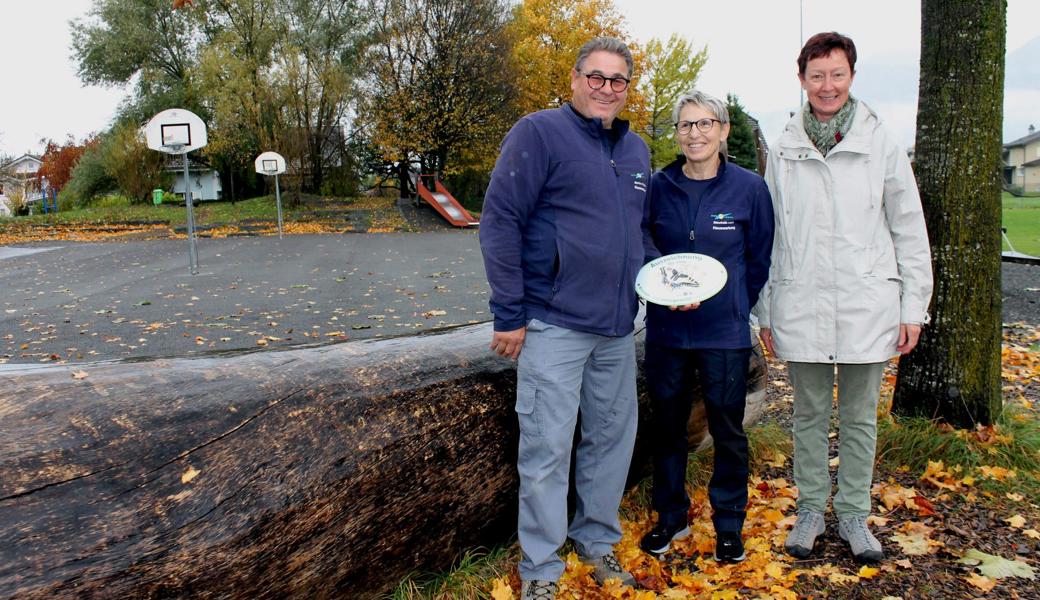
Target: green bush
111	201
88	180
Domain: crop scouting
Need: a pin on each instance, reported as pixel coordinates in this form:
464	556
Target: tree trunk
954	374
323	472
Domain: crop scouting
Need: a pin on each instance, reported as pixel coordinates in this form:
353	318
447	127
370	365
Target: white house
18	177
205	181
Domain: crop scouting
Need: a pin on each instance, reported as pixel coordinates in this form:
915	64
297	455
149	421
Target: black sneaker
729	547
660	538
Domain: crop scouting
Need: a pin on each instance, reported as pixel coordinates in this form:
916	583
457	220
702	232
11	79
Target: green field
118	209
1022	221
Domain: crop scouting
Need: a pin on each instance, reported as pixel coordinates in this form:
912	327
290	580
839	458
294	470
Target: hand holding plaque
680	279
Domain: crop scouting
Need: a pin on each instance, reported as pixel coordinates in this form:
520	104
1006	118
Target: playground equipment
443	202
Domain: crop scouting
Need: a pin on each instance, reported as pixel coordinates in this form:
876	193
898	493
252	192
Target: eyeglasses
597	81
703	125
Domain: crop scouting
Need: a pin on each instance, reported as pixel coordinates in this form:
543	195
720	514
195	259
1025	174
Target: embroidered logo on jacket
722	221
637	181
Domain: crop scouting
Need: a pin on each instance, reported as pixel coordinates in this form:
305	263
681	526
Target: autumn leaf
1017	521
866	572
190	474
500	589
997	567
998	473
912	545
79	374
981	581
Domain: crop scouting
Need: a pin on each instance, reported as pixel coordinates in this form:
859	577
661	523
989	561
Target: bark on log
323	472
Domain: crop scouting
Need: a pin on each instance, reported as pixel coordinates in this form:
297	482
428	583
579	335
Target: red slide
443	202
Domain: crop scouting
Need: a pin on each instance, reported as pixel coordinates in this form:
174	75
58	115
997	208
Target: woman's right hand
766	335
686	307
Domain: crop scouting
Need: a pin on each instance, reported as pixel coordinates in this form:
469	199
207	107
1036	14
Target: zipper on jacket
624	236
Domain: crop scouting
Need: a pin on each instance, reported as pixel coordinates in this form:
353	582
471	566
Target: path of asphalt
81	302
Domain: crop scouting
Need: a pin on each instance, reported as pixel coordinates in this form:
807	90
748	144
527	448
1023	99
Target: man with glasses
562	237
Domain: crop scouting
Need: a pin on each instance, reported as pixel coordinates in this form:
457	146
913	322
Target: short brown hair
822	44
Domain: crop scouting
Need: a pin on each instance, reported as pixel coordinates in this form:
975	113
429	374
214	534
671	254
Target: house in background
205	181
18	178
1022	162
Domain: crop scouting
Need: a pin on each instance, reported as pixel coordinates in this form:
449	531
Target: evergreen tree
741	143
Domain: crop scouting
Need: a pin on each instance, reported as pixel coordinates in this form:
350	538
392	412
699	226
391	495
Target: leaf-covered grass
1013	443
467	580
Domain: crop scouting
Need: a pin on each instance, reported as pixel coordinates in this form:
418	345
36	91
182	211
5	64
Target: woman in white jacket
849	285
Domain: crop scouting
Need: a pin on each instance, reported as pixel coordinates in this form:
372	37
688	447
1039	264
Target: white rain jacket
851	259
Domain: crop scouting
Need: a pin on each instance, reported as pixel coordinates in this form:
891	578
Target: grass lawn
1021	218
206	212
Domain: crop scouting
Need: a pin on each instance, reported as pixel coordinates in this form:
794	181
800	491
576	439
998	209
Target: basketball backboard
175	131
270	163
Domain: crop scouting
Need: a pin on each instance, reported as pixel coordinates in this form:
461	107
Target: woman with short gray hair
704	204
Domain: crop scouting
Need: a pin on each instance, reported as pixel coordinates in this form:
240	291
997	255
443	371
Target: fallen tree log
322	472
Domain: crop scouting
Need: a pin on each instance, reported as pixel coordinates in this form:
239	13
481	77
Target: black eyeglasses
596	81
703	125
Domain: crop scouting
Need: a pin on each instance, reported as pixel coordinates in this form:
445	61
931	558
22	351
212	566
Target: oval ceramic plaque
680	279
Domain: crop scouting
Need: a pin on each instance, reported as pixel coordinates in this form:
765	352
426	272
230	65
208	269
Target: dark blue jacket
734	224
562	224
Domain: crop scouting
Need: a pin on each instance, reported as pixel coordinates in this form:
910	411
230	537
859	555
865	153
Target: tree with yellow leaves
547	35
671	69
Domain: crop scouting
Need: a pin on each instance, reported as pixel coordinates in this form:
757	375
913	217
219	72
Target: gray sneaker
538	589
802	539
607	567
864	546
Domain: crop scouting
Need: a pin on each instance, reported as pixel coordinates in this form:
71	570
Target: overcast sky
752	47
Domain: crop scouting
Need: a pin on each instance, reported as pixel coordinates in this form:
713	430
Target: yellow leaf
912	544
1032	533
500	589
1015	497
981	581
780	593
775	570
866	572
772	515
1017	521
725	595
842	579
190	474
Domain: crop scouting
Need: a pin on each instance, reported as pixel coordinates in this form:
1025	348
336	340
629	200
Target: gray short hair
707	102
605	44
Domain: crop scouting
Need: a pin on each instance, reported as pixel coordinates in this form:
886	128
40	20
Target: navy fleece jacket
734	224
561	229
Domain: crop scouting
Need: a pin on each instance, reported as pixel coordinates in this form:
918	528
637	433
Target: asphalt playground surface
82	302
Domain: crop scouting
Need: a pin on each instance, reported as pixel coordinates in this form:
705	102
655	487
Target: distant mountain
1022	69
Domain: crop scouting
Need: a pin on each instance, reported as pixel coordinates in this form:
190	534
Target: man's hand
909	333
508	343
766	334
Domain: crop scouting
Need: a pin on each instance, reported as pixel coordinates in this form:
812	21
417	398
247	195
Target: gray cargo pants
560	373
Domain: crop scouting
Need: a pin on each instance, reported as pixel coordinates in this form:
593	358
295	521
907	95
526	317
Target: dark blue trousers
672	376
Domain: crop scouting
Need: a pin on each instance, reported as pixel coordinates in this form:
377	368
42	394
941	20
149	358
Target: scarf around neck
827	135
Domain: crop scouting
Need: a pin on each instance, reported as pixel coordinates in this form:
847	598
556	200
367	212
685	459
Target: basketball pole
193	250
278	201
